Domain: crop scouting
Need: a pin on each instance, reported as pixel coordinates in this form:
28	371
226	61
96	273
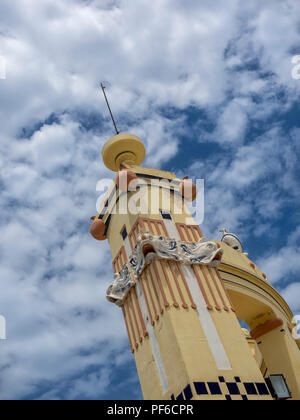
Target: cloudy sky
208	86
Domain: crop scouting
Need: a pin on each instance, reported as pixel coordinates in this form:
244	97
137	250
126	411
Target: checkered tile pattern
235	389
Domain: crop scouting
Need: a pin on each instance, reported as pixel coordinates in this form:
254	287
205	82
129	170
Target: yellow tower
182	295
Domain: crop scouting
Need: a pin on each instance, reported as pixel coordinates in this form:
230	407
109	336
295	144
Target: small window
124	233
278	387
166	215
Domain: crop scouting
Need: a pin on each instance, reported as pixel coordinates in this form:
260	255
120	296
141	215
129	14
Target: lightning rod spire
107	103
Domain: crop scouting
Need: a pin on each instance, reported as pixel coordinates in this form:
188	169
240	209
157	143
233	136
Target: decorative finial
224	231
231	240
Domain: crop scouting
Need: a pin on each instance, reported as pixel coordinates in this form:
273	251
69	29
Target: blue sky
208	87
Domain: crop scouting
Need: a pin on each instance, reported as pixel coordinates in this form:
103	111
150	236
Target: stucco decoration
151	247
207	253
124	281
232	240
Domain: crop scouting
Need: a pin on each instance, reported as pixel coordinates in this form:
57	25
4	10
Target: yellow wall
183	344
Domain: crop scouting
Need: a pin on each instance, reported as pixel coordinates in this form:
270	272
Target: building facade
182	296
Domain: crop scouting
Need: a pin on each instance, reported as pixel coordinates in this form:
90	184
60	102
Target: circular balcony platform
122	148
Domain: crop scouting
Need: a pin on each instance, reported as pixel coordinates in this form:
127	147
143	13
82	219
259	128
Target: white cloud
283	268
292	296
157	56
282	265
232	123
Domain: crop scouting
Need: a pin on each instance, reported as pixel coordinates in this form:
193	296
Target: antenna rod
107	103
